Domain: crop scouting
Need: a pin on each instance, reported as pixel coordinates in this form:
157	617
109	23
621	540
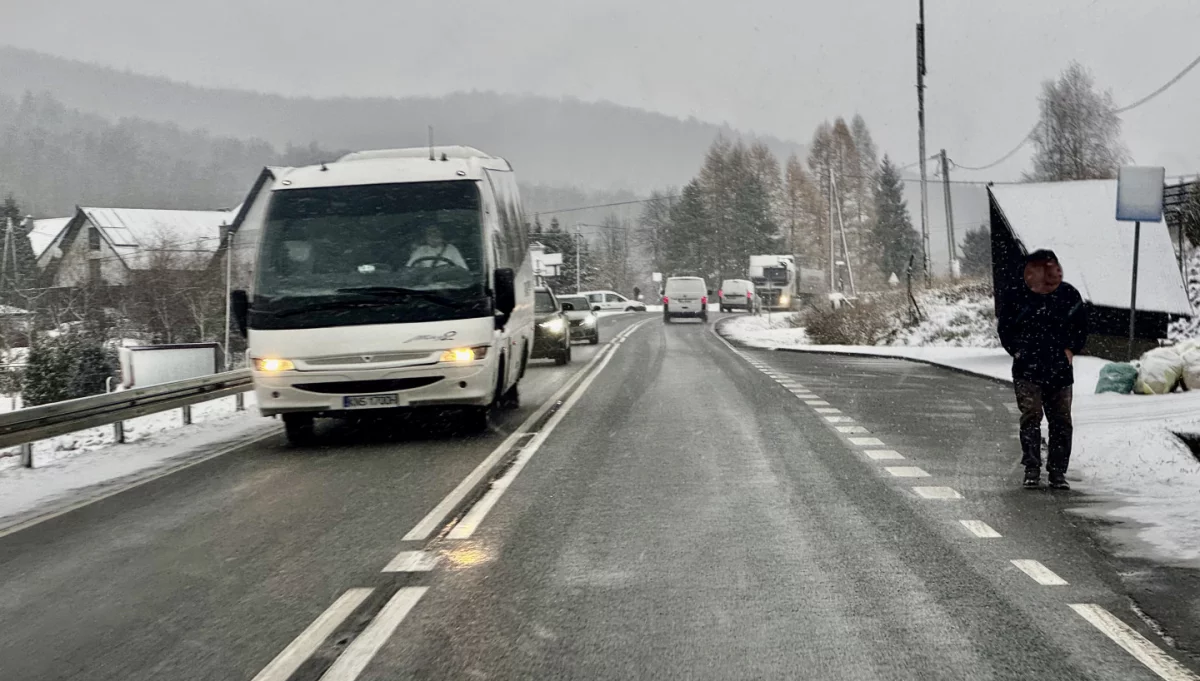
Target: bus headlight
273	364
465	354
589	320
554	326
784	300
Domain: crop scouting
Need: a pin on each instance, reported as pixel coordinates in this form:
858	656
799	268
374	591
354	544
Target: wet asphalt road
690	516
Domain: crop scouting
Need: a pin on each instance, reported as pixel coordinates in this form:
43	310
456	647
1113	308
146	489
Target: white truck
780	285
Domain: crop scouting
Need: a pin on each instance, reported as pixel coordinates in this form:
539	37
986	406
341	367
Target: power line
1166	86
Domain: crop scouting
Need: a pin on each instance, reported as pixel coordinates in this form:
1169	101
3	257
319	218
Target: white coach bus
388	279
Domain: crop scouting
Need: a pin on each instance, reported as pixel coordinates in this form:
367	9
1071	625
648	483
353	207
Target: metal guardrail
25	426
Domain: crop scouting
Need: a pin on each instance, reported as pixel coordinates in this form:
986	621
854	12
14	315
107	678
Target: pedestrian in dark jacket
1043	326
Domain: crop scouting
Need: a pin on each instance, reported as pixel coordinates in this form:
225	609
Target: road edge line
308	641
1141	648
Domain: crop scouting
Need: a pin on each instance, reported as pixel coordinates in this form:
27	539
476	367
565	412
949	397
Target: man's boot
1059	481
1033	478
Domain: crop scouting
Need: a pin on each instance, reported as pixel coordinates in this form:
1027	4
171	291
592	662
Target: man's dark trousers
1034	399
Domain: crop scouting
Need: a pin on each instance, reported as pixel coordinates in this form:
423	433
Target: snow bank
1190	328
68	465
765	331
958	317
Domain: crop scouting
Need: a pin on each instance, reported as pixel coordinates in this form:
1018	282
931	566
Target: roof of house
1077	220
45	232
131	231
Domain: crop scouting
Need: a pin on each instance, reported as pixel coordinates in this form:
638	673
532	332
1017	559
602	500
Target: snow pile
765	331
1190	328
961	316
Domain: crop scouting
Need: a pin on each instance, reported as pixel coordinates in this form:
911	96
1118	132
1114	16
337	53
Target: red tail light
720	293
666	300
749	294
704	300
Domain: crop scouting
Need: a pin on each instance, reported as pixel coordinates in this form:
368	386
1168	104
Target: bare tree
1079	133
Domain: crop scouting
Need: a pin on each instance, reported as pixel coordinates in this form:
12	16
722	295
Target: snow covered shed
44	237
1077	220
103	245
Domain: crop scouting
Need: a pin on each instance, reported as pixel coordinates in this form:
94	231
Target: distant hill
557	142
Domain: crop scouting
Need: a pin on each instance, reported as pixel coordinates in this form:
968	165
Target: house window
93	239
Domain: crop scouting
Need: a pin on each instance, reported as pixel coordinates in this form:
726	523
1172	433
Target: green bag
1117	377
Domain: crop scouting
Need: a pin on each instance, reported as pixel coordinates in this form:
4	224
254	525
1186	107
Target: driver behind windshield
435	251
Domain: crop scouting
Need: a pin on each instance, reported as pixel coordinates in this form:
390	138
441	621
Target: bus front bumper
341	393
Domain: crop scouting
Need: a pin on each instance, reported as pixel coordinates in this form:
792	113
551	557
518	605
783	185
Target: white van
389	279
685	297
736	294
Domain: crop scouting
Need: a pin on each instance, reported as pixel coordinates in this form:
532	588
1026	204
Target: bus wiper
399	292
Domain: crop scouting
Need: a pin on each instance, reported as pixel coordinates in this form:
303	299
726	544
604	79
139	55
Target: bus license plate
371	401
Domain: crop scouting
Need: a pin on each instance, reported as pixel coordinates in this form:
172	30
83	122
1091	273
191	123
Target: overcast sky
775	66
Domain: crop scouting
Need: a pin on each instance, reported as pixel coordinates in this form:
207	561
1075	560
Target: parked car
552	330
611	300
685	297
735	294
583	321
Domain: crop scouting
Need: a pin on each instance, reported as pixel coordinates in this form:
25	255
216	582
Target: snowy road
691	510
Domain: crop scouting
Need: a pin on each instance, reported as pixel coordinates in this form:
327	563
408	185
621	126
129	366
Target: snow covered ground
1125	452
81	465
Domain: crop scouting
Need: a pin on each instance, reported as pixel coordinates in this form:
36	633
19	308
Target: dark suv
552	329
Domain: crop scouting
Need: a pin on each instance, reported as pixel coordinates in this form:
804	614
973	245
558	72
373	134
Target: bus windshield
371	254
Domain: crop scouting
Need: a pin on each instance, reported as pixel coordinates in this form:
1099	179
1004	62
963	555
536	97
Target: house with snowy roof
104	246
1077	220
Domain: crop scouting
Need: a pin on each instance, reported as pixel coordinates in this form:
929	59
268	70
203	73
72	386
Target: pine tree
19	265
862	187
685	241
977	252
1079	133
801	207
894	234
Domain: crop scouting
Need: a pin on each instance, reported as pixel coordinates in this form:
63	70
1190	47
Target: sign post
1139	199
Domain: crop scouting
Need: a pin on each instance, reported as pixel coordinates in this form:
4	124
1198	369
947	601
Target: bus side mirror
506	290
239	308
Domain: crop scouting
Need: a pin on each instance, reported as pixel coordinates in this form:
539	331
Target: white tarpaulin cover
1077	220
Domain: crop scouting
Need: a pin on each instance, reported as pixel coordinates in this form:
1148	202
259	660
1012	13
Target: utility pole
953	245
577	240
921	138
832	257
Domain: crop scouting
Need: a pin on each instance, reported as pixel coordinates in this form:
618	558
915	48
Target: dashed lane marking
1039	573
936	493
1134	643
852	429
838	419
866	441
816	403
980	529
289	660
828	410
355	658
412	561
906	471
883	454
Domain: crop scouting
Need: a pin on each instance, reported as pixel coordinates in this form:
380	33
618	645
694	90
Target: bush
65	367
868	322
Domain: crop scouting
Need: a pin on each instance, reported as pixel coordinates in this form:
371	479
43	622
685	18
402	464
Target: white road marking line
906	471
438	516
303	646
936	493
827	410
883	454
464	528
355	658
1039	573
980	529
866	441
1134	643
412	561
838	419
817	403
852	429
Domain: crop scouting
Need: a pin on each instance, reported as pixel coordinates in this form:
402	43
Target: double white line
358	654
